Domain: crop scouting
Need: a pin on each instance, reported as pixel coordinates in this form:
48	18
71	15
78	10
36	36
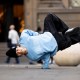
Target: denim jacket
39	46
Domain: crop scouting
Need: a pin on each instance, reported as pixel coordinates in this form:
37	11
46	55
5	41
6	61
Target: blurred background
31	13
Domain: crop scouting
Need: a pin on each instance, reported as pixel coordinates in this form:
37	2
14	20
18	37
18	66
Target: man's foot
31	63
72	31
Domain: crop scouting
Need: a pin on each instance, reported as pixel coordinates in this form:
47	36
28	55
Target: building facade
36	10
31	13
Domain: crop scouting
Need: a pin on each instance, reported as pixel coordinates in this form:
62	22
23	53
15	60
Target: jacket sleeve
28	32
46	59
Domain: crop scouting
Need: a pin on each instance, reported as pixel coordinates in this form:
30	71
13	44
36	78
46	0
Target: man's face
21	51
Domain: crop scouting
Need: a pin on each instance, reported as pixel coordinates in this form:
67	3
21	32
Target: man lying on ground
37	46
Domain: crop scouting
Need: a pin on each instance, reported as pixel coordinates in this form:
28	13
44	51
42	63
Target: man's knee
51	16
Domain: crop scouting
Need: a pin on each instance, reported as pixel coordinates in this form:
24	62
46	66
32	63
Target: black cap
11	52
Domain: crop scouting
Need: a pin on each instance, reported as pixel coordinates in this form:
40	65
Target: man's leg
17	60
8	60
54	24
74	35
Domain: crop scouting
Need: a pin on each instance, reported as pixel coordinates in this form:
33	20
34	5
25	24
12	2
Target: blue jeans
8	60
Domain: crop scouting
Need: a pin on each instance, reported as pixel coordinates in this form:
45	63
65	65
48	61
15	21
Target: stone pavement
34	72
24	71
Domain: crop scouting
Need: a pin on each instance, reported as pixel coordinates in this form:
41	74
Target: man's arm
46	59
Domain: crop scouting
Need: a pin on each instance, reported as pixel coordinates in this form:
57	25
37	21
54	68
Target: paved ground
24	71
34	72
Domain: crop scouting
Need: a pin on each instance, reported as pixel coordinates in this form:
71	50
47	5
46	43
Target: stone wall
38	9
